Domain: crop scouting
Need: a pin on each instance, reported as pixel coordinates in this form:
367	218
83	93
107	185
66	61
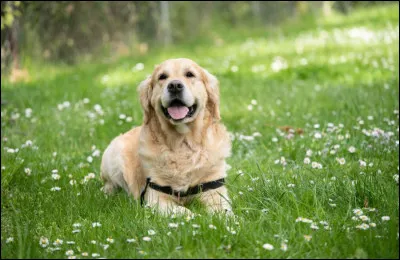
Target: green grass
348	87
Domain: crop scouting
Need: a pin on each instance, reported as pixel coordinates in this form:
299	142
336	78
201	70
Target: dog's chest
180	167
183	160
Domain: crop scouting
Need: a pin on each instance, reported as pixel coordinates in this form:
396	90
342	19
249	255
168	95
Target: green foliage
9	13
71	31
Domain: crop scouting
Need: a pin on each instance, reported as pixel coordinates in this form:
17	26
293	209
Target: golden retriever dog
181	145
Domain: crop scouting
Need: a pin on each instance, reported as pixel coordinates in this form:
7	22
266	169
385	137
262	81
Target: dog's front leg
164	203
217	201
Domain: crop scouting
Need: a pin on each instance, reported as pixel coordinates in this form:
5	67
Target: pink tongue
178	112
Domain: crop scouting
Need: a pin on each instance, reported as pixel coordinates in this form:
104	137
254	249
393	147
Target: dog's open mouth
177	110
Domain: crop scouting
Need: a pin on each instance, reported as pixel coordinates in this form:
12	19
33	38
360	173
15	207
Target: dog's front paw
179	210
107	188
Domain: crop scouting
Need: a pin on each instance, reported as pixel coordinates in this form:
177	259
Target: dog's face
178	92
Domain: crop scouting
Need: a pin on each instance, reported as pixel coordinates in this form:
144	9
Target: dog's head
179	92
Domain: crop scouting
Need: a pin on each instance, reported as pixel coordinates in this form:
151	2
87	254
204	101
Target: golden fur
180	155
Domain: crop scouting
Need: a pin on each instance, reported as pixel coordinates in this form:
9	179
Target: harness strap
191	191
144	192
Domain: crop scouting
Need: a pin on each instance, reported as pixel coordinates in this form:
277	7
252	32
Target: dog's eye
189	74
163	76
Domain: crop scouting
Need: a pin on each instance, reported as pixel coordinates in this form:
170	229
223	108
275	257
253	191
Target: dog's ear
212	87
145	91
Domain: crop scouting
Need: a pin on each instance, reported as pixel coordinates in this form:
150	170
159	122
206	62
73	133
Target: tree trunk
344	6
255	8
13	39
165	23
327	8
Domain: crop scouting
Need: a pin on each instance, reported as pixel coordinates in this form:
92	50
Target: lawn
313	109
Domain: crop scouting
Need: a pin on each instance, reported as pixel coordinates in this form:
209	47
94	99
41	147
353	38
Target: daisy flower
55	176
314	226
151	232
147	238
396	178
363	226
341	161
362	163
307	237
352	149
172	225
358	212
317	135
44	242
58	242
268	247
9	240
28	171
315	165
385	218
283	246
96	224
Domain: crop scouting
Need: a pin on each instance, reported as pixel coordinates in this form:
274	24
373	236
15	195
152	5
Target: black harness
191	191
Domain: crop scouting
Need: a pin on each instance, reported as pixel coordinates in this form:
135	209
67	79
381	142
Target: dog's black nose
175	86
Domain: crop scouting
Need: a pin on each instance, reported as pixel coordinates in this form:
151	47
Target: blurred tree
10	25
165	25
69	31
343	6
327	7
255	8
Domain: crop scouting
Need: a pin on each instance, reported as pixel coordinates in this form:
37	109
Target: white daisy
28	171
58	242
212	226
268	247
44	242
352	149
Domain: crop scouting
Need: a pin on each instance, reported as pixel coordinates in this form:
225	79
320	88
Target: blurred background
70	32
